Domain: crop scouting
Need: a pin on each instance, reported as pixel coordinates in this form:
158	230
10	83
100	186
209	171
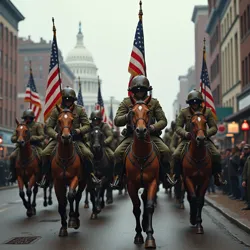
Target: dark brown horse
142	171
27	168
197	168
67	170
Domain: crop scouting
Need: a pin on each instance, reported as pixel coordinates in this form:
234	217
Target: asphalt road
114	229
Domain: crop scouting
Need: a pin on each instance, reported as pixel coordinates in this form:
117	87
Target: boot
177	170
12	175
118	174
247	207
45	171
165	175
89	167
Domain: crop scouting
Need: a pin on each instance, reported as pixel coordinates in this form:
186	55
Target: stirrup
94	179
42	183
170	181
116	183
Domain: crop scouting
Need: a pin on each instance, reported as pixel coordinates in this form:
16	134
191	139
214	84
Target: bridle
27	138
63	127
195	131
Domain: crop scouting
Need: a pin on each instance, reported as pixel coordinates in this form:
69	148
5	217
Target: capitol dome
81	63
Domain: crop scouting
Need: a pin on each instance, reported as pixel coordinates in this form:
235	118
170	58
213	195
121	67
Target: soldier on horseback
81	126
195	100
36	140
139	88
96	120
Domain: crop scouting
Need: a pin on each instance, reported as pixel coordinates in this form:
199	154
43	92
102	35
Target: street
114	228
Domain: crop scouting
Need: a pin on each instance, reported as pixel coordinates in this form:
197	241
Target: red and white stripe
208	98
105	118
136	63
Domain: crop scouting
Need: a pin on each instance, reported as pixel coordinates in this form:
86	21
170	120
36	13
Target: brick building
39	54
9	19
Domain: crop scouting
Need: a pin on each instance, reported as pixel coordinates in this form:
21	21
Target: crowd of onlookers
236	171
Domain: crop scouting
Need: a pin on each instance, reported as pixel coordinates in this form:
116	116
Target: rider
139	88
166	138
195	100
80	127
36	140
96	120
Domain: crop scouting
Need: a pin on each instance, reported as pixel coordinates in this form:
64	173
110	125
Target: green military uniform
167	138
36	139
175	140
80	122
116	140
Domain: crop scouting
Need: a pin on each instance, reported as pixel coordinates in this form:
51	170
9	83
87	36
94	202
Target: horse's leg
200	203
33	205
98	198
71	198
133	193
152	189
77	199
50	202
86	202
182	195
21	192
145	215
31	184
92	193
192	200
45	196
60	190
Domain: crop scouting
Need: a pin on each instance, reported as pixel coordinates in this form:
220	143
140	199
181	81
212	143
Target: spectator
225	170
234	163
246	182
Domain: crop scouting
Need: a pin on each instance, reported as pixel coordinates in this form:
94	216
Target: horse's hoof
200	230
120	192
50	202
93	216
45	204
86	205
72	222
182	206
29	212
63	232
77	224
98	210
138	240
193	221
33	211
150	244
109	201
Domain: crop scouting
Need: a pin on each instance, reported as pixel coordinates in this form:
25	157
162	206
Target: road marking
2	210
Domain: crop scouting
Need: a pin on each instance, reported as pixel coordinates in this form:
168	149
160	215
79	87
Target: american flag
100	106
53	90
205	87
79	97
137	64
32	97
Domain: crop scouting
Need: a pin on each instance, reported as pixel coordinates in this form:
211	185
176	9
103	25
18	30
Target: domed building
81	63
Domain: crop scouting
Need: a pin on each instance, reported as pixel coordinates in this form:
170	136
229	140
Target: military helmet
28	113
68	92
194	96
96	115
140	82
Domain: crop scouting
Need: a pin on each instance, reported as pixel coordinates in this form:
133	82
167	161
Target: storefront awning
240	115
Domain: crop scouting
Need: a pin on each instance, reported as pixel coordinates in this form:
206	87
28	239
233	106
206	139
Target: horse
179	191
47	200
67	170
27	168
197	168
142	166
103	170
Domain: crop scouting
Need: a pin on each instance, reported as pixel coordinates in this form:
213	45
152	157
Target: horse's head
199	122
65	120
23	133
96	139
140	117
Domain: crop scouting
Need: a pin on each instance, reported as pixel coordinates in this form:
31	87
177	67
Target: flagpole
54	31
30	88
204	58
79	83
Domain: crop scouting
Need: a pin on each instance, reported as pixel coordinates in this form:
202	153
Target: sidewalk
8	187
231	209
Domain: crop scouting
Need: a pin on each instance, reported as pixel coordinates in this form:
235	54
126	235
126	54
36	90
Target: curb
238	223
8	187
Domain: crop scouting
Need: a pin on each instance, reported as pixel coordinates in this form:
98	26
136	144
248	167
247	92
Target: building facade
39	55
81	63
9	19
230	54
200	19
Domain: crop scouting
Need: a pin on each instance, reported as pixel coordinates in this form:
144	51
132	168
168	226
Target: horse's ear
17	122
59	109
148	99
132	99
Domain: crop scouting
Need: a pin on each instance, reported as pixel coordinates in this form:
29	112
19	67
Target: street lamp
245	128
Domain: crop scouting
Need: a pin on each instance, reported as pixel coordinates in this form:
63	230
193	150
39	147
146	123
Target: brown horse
142	171
67	170
27	168
197	168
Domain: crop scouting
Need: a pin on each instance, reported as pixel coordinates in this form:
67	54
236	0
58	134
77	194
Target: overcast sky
109	28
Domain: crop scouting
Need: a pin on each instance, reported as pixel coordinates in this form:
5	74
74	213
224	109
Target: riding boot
12	175
118	174
90	169
45	171
217	175
177	169
165	175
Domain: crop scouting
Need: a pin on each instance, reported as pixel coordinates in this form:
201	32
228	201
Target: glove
151	128
129	115
188	136
76	132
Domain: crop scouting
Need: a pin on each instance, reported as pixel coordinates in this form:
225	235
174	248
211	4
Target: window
6	118
1	115
248	17
235	9
7	34
241	27
26	59
244	23
10	91
6	61
233	102
231	18
1	87
1	58
10	65
25	68
1	31
11	39
246	71
243	73
15	92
